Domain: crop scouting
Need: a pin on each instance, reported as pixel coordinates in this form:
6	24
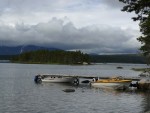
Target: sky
92	26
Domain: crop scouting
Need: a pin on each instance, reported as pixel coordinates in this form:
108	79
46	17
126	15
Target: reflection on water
146	102
19	93
126	101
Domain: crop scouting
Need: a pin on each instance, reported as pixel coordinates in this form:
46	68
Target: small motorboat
111	82
54	78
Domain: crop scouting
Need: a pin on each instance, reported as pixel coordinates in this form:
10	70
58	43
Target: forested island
52	57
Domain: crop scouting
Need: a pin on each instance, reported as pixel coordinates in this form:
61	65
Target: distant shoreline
134	59
141	69
4	61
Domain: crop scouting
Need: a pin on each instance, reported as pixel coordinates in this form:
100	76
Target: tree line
73	57
52	57
124	58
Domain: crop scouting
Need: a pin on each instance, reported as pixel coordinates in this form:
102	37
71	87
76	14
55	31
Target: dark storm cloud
95	26
56	33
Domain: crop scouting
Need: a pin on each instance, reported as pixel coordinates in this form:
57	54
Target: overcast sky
92	26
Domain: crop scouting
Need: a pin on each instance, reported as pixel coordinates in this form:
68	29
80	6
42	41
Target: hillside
123	58
8	50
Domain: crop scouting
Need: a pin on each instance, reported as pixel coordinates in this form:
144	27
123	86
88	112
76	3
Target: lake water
19	93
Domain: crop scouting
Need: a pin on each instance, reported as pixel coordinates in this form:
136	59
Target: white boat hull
94	84
58	80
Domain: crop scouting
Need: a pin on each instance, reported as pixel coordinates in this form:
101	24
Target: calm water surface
19	93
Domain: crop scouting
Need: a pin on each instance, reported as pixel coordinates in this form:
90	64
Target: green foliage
52	57
142	9
6	57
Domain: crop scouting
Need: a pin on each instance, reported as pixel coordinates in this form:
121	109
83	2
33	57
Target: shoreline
141	69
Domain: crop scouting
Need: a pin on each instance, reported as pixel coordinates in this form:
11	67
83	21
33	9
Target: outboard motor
76	81
134	85
37	79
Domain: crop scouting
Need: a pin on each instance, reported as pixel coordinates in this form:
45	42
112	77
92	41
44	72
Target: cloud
94	26
115	4
16	6
80	12
61	33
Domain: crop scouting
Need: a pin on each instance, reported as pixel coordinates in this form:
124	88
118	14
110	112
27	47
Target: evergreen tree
142	9
58	56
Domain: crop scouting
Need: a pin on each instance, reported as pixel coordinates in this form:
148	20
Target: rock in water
69	90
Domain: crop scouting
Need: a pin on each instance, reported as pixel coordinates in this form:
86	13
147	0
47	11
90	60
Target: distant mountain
5	50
